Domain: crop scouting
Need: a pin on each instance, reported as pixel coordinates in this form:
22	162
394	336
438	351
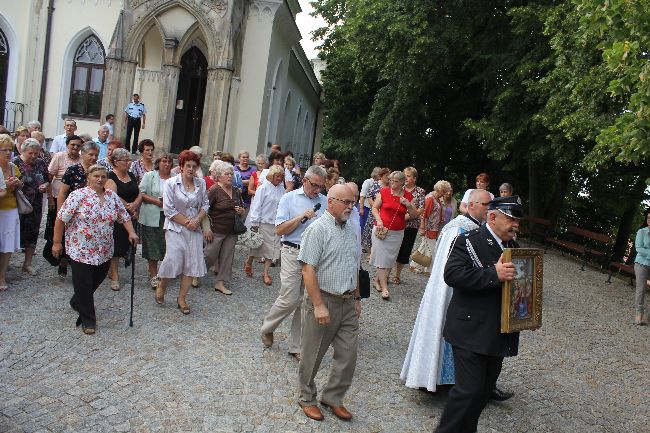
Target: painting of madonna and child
522	297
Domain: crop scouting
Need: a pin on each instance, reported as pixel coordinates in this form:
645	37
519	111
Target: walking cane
132	282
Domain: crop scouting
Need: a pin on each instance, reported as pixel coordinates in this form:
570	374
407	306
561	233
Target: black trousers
404	254
85	280
476	376
133	125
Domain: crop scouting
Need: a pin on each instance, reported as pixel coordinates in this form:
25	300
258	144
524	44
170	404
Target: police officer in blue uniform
476	271
135	117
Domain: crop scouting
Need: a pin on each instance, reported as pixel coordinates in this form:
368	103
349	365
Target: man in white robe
429	359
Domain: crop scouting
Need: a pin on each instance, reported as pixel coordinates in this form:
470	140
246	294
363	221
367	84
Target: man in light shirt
102	141
294	207
58	143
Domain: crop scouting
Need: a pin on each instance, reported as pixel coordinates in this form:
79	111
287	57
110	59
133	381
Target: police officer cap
510	206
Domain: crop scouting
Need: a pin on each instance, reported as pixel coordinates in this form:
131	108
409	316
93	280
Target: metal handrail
12	114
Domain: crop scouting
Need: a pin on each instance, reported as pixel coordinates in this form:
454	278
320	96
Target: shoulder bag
239	228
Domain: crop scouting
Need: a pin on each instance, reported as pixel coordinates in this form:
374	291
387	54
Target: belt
291	244
345	295
134	118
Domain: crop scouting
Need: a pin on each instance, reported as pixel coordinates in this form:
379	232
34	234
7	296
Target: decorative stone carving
264	10
149	75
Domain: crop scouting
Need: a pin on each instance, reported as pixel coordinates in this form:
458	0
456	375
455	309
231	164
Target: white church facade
225	75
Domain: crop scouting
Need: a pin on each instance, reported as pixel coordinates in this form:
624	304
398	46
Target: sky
308	24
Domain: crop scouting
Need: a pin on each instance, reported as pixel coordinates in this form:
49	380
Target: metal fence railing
11	115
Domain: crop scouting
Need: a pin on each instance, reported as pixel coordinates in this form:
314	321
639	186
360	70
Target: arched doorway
4	69
190	96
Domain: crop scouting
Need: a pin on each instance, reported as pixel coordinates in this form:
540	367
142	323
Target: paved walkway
586	370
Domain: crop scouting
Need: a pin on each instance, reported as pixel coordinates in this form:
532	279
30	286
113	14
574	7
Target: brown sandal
185	309
397	280
160	295
248	269
268	280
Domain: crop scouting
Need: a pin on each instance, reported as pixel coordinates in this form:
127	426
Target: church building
226	75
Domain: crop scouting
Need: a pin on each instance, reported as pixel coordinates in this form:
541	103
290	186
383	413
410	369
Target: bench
587	244
621	267
535	226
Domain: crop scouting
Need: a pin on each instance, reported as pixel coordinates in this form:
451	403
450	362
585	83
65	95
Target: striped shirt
332	249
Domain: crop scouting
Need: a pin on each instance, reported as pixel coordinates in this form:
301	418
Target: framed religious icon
521	298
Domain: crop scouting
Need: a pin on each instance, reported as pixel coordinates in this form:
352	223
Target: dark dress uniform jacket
474	314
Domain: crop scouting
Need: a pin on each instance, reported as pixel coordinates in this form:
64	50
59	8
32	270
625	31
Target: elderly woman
364	205
482	182
225	202
641	268
22	133
35	183
245	172
199	172
57	168
505	190
236	179
75	176
276	158
9	219
185	204
43	153
331	179
290	164
412	224
152	217
89	214
112	146
145	163
261	218
261	162
124	183
389	209
432	221
450	205
378	184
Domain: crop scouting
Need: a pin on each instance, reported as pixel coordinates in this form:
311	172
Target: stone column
118	86
215	109
168	89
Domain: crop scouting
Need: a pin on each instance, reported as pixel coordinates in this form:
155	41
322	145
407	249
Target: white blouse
265	204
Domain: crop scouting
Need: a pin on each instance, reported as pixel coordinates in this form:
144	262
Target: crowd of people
102	202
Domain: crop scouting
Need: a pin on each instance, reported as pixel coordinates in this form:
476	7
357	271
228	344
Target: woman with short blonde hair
412	223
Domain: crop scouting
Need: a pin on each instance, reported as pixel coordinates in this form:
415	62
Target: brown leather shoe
267	339
313	412
339	411
295	356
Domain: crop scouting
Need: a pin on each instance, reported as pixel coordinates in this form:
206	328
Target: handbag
239	227
364	283
251	239
23	205
422	256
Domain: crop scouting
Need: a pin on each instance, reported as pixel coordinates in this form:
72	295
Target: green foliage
624	27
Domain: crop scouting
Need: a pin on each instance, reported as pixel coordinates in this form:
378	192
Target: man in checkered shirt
331	309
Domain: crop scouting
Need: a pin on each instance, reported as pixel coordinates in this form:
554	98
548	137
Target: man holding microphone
296	211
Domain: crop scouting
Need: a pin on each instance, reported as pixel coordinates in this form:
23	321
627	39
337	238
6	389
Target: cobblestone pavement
586	370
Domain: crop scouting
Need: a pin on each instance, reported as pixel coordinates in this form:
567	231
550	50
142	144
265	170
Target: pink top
58	165
89	224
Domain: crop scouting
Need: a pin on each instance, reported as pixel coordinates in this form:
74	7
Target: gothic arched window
87	79
4	68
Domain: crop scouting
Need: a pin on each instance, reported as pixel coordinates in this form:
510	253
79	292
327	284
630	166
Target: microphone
304	219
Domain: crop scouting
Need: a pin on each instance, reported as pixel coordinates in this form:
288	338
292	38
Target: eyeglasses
315	185
345	202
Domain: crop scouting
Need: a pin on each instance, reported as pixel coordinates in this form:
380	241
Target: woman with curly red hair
185	204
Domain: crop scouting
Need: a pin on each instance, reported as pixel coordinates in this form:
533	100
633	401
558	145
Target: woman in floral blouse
89	215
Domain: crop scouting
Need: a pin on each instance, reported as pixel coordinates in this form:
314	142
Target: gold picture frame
521	298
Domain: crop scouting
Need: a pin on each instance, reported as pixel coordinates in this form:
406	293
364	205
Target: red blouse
392	212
